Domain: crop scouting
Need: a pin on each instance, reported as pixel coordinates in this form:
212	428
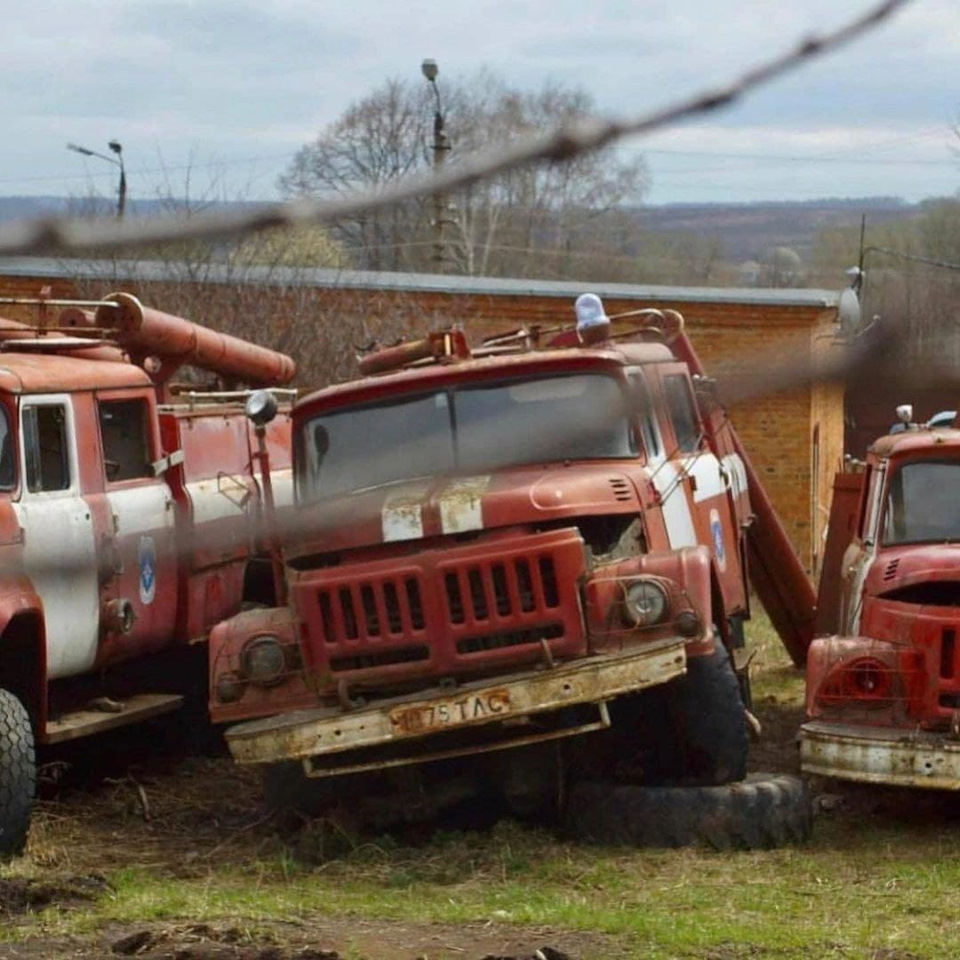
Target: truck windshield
923	503
465	429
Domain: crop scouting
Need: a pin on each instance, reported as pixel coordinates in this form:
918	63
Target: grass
878	880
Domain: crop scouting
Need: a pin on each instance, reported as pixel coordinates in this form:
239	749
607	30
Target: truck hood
443	506
911	564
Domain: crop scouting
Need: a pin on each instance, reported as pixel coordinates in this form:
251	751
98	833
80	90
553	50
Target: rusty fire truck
518	574
883	685
128	518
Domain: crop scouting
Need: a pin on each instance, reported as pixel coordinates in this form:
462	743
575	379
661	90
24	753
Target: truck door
862	551
140	573
697	477
59	553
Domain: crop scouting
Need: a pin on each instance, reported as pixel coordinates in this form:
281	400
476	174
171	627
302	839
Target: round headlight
645	603
262	661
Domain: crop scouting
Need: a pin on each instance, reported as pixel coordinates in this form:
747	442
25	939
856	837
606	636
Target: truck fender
23	650
685	572
235	690
898	674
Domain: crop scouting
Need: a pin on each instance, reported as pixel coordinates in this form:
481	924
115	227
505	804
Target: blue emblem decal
716	531
147	557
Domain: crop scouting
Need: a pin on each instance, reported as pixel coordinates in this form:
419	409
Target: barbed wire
566	142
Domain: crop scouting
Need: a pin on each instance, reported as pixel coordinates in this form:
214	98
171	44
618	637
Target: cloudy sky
229	89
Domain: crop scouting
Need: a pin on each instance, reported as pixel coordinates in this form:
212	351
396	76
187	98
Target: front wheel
709	723
18	775
689	732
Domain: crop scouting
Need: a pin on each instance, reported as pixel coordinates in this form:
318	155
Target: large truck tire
18	775
690	732
762	812
709	722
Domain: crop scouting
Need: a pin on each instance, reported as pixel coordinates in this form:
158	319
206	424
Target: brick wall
794	438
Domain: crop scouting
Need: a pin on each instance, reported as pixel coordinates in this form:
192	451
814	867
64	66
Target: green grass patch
878	881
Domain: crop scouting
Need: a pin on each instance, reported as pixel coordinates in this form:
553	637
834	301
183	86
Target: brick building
795	438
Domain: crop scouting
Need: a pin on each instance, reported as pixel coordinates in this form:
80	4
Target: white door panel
59	556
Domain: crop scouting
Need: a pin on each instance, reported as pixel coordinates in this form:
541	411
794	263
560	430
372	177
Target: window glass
923	503
469	429
8	453
643	412
683	414
866	503
125	438
45	446
368	446
560	418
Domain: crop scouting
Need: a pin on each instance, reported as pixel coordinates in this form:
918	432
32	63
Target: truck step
106	715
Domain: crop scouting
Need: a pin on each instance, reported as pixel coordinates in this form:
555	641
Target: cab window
683	413
125	438
643	412
8	458
45	448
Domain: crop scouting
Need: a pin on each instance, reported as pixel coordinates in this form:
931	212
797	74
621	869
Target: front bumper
507	701
899	758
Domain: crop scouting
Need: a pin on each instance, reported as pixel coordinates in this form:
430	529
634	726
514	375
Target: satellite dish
848	311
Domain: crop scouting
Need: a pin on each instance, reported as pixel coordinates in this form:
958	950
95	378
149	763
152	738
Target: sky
225	91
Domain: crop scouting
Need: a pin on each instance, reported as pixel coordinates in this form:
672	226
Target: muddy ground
153	800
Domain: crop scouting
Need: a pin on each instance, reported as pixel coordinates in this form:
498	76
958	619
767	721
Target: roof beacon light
593	324
905	412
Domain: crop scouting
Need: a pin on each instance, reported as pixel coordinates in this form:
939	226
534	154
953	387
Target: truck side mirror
261	407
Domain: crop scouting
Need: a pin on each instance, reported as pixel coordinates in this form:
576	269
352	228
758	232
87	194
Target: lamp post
441	145
117	148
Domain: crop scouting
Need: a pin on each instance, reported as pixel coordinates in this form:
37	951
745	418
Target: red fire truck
128	518
518	573
883	684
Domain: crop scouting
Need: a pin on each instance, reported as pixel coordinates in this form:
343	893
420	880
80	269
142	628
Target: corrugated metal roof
147	271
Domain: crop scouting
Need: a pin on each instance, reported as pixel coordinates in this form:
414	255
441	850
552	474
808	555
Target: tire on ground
762	812
18	775
703	731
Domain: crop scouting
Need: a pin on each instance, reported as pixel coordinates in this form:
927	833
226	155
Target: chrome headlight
262	661
645	603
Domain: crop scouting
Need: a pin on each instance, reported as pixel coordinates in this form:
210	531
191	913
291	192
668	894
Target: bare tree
378	140
523	222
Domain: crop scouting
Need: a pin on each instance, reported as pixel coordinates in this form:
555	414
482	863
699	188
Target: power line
785	158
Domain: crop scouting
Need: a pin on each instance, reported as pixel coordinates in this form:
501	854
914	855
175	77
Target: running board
109	714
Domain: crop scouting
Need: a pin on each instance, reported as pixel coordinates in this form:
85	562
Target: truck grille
387	607
501	589
444	612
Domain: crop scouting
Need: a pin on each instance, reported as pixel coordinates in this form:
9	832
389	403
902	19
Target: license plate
457	711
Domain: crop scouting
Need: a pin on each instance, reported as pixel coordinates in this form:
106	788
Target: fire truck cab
883	684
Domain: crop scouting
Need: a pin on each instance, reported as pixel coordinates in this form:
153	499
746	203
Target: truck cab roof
910	442
22	372
529	362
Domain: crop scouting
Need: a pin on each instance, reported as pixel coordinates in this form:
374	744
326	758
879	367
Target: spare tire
18	775
761	812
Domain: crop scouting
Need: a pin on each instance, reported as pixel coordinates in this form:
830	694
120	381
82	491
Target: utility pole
441	145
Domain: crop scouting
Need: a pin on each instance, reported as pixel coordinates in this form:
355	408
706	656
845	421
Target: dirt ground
178	806
153	802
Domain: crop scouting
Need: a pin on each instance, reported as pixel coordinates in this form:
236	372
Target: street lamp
115	147
430	70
